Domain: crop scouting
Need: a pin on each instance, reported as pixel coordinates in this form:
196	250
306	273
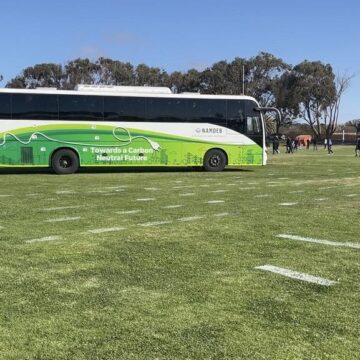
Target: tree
310	90
114	72
150	76
40	75
80	71
342	83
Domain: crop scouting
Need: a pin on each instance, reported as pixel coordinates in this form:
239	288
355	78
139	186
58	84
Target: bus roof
129	91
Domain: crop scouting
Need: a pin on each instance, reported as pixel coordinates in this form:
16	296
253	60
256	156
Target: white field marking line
231	184
326	187
262	196
284	178
61	192
351	195
104	230
62	208
46	238
127	211
34	194
215	201
297	275
98	191
221	214
145	199
3	195
184	187
319	241
178	181
288	204
187	194
116	187
191	218
320	199
204	185
253	183
296	192
63	219
246	188
154	223
171	206
219	191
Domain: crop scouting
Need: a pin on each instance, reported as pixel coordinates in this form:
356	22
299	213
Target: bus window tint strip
81	107
5	106
34	107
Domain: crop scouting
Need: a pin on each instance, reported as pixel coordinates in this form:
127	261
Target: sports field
170	264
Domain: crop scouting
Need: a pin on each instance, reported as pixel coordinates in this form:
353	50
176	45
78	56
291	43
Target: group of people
293	144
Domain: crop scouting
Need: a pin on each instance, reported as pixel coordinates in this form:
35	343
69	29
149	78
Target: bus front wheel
214	160
65	161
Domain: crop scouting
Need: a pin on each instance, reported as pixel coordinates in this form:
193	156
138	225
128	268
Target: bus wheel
214	160
65	161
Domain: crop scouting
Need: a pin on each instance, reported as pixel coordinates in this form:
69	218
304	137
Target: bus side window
5	106
235	115
253	125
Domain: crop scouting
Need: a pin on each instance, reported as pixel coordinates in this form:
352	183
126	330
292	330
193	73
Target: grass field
163	265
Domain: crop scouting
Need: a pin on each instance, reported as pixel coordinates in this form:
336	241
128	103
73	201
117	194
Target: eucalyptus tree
314	94
39	75
114	72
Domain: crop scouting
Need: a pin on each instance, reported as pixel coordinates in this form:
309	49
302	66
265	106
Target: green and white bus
96	125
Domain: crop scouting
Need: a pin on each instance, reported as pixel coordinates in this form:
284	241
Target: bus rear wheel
65	161
214	160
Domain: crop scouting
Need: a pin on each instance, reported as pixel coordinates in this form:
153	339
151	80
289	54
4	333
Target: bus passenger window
253	125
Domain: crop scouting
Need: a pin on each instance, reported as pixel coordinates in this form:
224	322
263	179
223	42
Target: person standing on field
329	145
357	147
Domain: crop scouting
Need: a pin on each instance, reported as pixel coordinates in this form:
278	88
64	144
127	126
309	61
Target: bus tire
214	160
65	161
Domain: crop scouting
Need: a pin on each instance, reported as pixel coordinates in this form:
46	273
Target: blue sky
178	35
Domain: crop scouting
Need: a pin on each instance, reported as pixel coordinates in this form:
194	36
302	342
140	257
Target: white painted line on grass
231	184
262	196
61	192
63	219
4	195
172	206
351	195
154	223
219	191
319	241
105	230
127	212
288	204
320	199
215	201
204	185
221	214
34	194
187	194
62	208
46	238
191	218
296	192
297	275
145	199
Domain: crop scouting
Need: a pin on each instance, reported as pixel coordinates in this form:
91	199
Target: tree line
309	90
